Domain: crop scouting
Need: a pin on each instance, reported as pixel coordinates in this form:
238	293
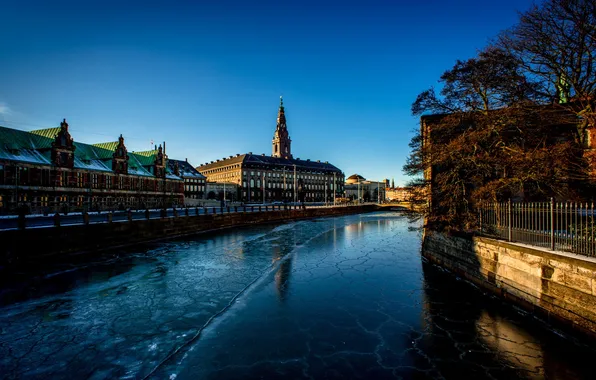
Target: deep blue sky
206	76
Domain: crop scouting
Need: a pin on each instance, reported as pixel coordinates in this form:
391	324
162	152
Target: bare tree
555	43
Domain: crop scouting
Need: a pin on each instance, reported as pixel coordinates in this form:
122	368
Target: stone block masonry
556	286
38	245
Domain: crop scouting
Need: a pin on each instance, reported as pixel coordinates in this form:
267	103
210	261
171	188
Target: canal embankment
559	287
35	245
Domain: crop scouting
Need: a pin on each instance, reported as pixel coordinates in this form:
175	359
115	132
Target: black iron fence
558	226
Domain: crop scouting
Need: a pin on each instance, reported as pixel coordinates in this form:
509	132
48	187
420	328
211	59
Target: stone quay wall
36	245
557	286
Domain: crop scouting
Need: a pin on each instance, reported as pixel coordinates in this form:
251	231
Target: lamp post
334	188
326	186
294	188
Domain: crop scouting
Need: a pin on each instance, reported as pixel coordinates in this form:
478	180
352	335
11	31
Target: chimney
186	159
164	148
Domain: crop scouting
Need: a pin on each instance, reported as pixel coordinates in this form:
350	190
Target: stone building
279	177
216	191
398	194
47	170
194	182
358	187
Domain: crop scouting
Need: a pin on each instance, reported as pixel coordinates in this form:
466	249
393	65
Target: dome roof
355	178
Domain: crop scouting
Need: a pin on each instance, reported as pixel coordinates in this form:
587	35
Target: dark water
332	298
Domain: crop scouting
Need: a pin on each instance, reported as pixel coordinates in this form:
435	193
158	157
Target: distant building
399	194
278	177
47	171
358	187
194	182
216	190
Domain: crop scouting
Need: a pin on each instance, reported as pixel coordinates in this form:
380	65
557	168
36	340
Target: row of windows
194	180
23	176
287	195
289	174
276	185
194	188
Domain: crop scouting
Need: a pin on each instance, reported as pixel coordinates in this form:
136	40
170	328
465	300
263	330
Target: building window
109	181
63	179
1	174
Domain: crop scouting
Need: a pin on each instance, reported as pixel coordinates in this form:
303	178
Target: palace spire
281	144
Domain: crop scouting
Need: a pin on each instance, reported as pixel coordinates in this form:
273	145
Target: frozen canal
333	298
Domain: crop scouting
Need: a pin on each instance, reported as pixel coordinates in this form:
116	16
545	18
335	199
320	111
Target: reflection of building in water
513	343
282	278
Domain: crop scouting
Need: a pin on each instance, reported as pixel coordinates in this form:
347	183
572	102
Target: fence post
509	218
480	218
552	223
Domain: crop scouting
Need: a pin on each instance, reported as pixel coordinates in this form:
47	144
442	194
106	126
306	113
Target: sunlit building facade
279	177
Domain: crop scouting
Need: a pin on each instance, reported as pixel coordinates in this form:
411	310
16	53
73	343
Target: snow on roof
185	169
35	147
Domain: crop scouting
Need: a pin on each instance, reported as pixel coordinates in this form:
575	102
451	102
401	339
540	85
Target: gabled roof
111	146
185	169
34	147
47	137
146	158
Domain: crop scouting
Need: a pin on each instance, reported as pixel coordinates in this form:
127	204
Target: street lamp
294	188
334	188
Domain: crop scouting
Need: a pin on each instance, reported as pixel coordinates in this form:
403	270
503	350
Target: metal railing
56	219
558	226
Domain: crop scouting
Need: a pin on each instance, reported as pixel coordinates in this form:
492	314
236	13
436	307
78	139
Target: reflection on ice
332	297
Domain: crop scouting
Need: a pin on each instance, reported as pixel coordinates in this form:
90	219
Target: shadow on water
474	335
60	275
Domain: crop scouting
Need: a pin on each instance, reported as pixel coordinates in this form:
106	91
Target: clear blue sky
206	76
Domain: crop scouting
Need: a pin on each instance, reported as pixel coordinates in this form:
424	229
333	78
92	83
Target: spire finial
281	101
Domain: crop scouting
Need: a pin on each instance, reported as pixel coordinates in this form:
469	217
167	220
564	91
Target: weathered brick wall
556	286
40	244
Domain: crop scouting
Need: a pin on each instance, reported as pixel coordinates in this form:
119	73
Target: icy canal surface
334	298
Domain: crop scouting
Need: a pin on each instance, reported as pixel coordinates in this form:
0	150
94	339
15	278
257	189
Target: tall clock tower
281	145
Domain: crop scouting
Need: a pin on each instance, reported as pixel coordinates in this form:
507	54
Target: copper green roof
16	145
146	158
47	136
107	145
34	147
